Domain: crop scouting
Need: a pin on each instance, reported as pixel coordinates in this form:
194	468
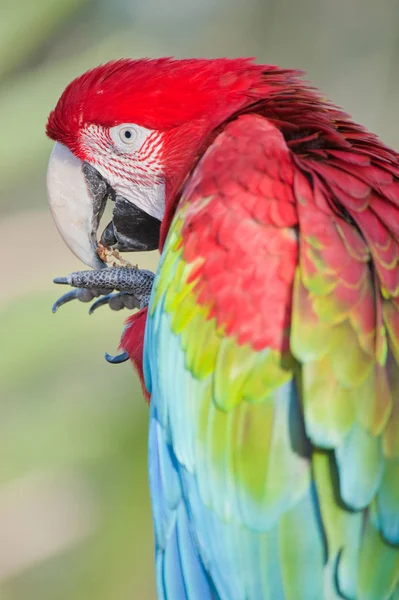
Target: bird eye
127	135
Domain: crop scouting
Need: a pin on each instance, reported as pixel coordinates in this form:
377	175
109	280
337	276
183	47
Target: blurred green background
74	506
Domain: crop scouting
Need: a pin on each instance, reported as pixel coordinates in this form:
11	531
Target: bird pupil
128	134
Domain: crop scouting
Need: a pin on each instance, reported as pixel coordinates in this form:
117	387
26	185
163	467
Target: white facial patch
129	157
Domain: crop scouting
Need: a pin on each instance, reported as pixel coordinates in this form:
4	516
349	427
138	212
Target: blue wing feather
180	572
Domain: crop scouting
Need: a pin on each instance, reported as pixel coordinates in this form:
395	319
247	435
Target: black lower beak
131	229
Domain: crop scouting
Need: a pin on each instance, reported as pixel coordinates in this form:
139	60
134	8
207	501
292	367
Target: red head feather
185	99
158	94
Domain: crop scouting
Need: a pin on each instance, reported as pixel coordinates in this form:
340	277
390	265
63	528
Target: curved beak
78	194
76	211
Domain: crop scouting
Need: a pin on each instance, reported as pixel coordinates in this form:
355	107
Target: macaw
268	341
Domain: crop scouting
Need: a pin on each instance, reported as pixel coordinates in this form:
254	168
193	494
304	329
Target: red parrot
268	341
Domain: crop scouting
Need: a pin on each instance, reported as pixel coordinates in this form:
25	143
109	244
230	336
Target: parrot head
131	131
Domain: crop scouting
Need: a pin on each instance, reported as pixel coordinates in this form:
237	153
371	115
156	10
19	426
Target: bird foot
133	291
133	288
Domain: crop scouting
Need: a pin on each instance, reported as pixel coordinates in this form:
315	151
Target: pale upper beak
72	207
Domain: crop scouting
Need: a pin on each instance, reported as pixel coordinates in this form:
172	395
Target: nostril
108	238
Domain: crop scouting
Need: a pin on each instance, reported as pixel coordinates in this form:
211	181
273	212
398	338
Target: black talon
119	358
77	294
116	301
64	299
63	280
100	302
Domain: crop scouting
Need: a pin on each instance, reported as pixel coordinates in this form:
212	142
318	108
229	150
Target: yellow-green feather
344	384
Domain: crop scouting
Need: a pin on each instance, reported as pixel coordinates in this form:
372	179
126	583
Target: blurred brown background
74	507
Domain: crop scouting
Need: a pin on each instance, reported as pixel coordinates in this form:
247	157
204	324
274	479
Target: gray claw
77	294
100	302
115	302
62	280
119	358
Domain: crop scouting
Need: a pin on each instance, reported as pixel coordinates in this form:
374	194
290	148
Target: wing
271	357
